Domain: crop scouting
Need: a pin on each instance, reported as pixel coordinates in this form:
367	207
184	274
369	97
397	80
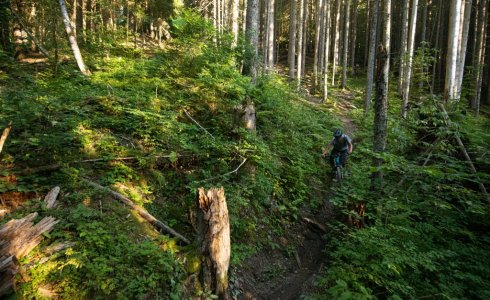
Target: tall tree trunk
464	42
318	31
408	66
345	48
235	10
252	40
326	56
336	41
305	36
72	40
270	35
403	46
367	34
354	37
452	51
372	54
292	40
5	26
300	43
381	104
480	54
423	38
436	45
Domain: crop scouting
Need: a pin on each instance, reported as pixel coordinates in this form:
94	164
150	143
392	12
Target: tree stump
214	240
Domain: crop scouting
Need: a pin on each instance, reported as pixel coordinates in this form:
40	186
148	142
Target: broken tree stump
50	198
214	240
17	238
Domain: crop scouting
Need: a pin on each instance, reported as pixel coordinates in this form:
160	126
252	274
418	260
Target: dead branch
189	116
141	211
4	136
50	198
229	173
463	151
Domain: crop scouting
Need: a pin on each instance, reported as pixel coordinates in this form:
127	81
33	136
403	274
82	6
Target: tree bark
480	54
318	37
214	240
235	10
300	43
72	40
404	43
250	67
336	41
452	51
269	63
372	55
5	26
464	42
407	77
381	103
326	56
292	40
345	48
354	37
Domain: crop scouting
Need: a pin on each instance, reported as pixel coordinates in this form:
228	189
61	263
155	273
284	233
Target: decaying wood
17	238
4	136
50	198
141	211
214	239
463	151
31	36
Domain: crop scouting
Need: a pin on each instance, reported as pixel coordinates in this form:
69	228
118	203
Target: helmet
337	133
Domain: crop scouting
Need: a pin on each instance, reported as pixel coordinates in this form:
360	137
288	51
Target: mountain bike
337	167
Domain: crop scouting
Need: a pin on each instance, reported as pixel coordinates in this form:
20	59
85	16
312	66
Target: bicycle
337	166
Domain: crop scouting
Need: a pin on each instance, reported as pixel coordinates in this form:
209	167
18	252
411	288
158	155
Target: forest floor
287	275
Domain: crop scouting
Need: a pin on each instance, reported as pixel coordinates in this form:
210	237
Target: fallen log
141	211
214	240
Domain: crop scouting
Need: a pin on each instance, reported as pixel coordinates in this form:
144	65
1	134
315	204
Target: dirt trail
288	272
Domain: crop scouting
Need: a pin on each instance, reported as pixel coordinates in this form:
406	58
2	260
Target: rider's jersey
341	143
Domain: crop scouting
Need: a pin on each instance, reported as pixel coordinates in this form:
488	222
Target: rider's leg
343	158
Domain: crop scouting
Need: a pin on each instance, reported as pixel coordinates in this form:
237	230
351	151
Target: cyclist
341	144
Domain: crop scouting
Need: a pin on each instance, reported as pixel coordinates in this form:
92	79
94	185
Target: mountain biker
341	144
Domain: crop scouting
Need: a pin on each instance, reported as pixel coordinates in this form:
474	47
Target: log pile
17	238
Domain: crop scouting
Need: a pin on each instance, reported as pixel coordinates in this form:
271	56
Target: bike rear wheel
338	173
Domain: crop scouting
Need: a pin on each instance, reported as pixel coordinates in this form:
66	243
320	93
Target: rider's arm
350	147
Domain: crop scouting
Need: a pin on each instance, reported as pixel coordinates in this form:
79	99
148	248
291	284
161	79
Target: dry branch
189	116
229	173
5	134
141	211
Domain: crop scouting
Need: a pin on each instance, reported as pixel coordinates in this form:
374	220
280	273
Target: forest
184	149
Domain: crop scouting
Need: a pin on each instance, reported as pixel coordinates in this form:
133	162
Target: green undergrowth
424	232
133	126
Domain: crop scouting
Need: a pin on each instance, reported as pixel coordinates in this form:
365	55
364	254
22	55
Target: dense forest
173	149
